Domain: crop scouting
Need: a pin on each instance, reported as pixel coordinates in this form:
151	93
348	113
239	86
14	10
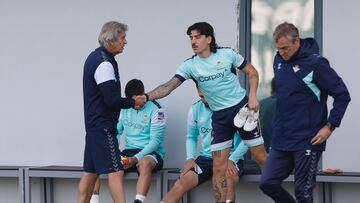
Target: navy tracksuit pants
278	167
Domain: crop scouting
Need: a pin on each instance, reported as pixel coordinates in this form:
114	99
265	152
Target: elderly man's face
286	47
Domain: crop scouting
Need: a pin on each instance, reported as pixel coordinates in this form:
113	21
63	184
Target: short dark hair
134	87
206	29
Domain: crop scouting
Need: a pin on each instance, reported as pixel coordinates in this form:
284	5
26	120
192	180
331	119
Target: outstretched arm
164	89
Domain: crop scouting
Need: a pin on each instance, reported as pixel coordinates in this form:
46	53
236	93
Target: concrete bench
252	173
48	173
15	172
162	179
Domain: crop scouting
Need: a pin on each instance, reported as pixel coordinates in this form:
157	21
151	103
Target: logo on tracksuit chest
296	68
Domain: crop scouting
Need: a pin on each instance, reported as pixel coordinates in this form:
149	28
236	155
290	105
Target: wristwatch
330	126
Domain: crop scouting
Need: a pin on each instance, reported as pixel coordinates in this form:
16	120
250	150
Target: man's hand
231	169
140	101
190	164
132	162
253	103
323	134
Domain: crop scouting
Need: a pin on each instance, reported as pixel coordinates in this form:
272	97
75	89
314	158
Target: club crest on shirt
161	116
296	68
145	118
279	66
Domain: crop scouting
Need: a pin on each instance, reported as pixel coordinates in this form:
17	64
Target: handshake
140	101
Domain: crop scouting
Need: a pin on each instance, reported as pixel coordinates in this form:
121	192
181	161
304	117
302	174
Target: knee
145	166
179	186
260	158
219	165
268	187
231	180
116	175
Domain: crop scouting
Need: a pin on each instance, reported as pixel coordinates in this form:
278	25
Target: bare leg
259	154
116	186
97	186
232	181
86	187
95	196
220	161
145	167
184	184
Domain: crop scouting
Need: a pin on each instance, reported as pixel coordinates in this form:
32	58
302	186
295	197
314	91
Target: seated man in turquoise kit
144	134
199	169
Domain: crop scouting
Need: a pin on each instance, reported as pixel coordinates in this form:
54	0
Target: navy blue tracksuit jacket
303	84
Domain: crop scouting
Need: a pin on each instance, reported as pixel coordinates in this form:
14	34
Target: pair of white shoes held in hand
246	118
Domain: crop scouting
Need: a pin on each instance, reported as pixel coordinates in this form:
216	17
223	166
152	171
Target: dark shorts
205	169
157	158
224	129
102	152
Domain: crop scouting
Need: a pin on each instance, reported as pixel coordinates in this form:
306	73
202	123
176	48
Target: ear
208	39
297	41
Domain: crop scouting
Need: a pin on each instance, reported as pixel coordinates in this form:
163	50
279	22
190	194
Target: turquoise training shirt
216	77
143	129
199	124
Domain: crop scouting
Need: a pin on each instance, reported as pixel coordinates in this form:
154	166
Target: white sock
94	198
140	197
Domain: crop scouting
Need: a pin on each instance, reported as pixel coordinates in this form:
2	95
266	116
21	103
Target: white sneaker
251	121
240	117
94	199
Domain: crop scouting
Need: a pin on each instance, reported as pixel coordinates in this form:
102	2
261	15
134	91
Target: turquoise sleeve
157	131
184	70
239	152
120	129
191	136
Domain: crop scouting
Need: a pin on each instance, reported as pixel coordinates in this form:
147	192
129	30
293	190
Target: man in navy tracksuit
301	125
102	104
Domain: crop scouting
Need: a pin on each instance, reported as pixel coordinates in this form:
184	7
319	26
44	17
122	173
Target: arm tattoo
164	89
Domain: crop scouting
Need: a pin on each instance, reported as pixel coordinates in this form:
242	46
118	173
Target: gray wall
44	45
341	47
